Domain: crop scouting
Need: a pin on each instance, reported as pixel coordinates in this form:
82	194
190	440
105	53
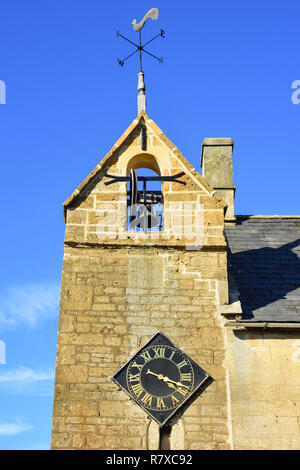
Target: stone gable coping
143	117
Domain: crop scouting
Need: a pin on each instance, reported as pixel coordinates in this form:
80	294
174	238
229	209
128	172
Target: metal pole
140	36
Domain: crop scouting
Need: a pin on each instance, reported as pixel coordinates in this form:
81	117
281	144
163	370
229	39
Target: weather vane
152	14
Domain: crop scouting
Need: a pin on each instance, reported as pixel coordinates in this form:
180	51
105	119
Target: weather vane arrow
153	15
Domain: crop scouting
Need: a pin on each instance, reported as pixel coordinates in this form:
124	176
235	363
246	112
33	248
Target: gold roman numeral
160	403
146	356
137	389
134	377
182	364
159	351
174	400
147	399
171	356
139	366
186	377
183	391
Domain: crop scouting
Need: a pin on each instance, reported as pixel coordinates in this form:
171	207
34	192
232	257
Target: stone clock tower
139	261
122	283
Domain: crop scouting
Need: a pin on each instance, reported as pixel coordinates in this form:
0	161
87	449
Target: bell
153	220
133	194
143	218
141	206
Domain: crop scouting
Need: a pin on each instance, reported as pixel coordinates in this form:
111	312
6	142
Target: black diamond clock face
162	379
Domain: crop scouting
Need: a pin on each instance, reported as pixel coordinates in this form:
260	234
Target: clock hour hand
166	379
161	377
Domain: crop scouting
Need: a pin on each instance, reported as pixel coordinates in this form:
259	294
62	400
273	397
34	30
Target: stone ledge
243	325
231	309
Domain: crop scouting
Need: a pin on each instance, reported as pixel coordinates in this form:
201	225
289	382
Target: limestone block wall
113	300
264	371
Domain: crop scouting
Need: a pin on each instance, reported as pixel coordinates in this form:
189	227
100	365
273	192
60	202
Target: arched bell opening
143	160
144	195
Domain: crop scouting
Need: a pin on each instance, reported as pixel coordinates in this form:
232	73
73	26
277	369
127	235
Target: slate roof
264	258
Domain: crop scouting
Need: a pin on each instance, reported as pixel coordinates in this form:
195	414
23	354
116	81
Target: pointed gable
143	145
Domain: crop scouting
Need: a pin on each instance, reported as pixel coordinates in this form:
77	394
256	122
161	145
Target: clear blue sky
227	72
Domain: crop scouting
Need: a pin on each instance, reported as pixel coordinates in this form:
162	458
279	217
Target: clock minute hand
165	379
179	384
161	377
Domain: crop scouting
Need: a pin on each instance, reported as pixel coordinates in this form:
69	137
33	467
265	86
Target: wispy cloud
29	304
26	381
25	375
11	429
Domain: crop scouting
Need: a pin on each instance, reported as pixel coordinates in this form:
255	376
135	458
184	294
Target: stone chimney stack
216	163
